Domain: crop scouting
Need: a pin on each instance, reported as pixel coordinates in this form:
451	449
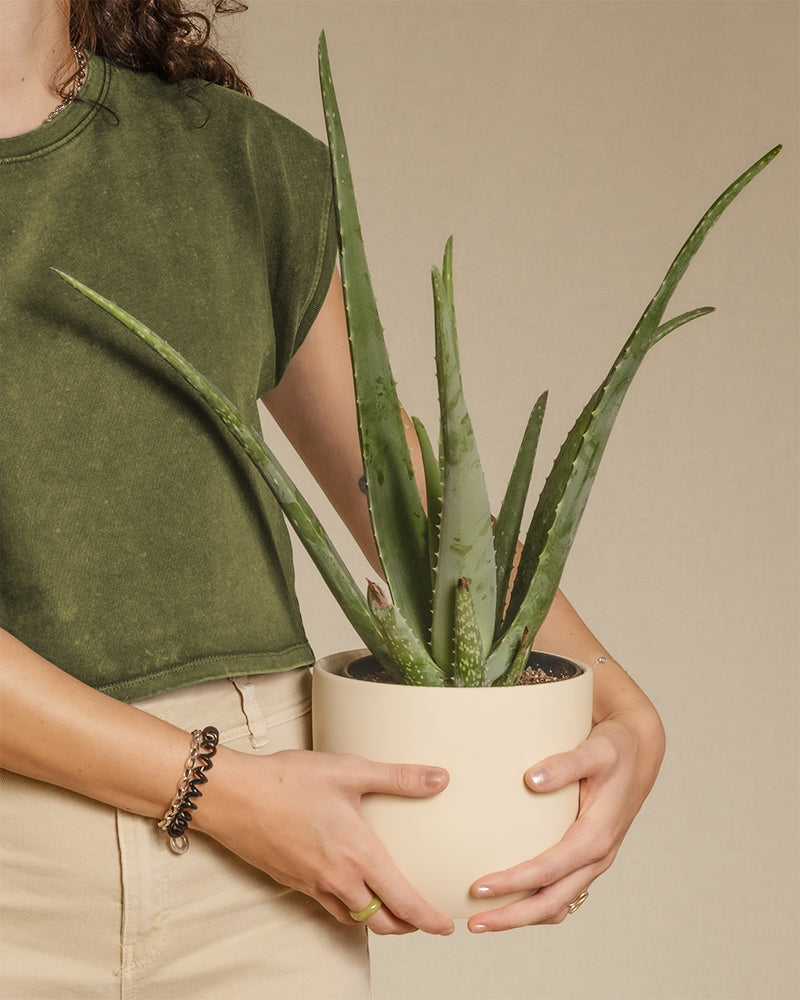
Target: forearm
295	815
564	633
63	732
620	709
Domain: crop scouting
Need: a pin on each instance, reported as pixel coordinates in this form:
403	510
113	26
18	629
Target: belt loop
254	716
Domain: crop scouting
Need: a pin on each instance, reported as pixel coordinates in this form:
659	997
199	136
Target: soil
535	675
557	669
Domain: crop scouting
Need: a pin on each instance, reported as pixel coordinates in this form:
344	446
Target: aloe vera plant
446	616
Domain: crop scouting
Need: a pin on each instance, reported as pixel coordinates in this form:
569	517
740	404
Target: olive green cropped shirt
138	550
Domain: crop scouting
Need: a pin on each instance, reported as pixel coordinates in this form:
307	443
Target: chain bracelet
178	816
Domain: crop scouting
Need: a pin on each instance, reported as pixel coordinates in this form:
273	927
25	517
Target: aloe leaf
398	520
529	565
655	311
565	493
509	520
411	658
466	548
433	490
470	657
295	507
682	320
512	675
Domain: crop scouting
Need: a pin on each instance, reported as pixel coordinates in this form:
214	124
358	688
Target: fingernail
537	779
435	778
482	890
479	928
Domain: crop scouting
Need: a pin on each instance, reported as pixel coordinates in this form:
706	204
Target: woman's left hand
616	765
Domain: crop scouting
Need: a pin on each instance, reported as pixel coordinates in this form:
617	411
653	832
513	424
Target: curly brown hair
164	36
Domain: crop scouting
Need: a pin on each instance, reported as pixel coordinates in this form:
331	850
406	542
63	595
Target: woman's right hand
296	815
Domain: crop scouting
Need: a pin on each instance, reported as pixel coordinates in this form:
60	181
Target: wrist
618	698
224	794
190	788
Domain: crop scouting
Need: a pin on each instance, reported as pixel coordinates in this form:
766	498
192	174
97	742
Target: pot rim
335	665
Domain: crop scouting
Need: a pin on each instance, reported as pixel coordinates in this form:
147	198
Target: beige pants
93	904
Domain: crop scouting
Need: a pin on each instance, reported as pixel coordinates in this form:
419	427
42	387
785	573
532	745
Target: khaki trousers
93	904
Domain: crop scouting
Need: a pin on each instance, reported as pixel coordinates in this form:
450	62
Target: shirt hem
208	668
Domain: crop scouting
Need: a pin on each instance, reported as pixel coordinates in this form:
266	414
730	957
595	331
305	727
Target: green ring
372	907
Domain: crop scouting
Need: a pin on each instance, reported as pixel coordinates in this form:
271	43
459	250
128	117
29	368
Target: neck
34	54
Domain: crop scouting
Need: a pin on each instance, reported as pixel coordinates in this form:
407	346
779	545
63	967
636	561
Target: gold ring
372	907
576	904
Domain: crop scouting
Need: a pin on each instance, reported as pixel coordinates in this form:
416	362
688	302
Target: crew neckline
67	123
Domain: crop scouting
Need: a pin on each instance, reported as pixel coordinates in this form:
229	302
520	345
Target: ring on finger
372	907
578	902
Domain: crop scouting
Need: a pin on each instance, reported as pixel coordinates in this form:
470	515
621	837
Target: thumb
597	754
409	780
557	771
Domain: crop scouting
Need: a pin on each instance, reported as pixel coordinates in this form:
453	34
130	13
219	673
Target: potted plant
453	626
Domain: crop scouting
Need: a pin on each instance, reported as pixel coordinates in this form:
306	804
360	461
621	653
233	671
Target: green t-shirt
138	549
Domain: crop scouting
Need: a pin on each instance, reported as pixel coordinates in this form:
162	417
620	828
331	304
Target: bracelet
176	822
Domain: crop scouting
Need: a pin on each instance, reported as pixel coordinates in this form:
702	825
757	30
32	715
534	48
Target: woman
147	583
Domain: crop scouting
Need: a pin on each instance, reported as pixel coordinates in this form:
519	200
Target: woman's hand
296	815
616	765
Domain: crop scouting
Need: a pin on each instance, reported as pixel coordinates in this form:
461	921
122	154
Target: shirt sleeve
300	238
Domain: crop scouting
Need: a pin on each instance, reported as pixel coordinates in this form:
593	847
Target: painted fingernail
482	890
479	928
435	778
537	779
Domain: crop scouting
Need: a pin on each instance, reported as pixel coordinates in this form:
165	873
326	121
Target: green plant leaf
466	548
469	655
398	520
411	657
566	491
509	520
512	675
295	507
433	490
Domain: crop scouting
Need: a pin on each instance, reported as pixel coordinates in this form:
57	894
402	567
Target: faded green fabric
138	550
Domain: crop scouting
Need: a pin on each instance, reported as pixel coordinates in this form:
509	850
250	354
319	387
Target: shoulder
211	116
265	131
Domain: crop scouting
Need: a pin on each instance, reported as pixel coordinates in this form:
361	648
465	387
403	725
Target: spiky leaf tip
469	655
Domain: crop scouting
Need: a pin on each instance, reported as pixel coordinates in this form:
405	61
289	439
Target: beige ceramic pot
486	819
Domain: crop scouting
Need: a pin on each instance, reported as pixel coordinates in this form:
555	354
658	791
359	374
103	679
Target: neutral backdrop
570	147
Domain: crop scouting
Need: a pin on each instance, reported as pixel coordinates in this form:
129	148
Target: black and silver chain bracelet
179	815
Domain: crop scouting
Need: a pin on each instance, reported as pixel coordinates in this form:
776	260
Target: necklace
80	59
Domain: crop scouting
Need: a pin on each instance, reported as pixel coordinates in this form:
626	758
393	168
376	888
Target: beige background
570	147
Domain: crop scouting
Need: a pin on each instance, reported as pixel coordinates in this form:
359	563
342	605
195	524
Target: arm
295	815
619	761
61	731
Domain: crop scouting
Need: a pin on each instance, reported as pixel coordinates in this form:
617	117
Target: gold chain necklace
80	59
